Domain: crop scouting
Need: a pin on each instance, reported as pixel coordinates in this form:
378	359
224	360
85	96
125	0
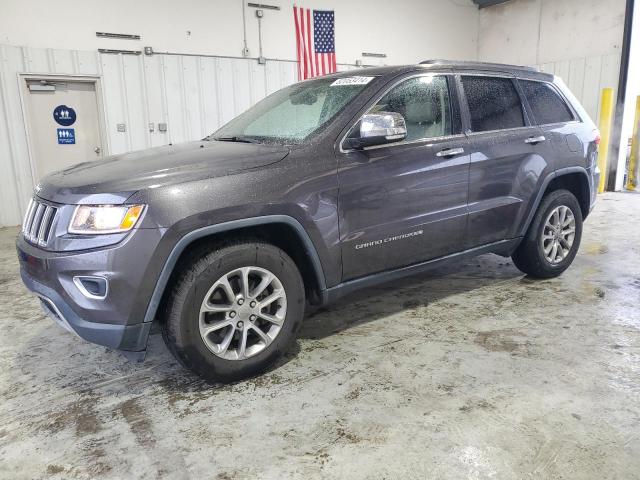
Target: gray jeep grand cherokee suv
325	186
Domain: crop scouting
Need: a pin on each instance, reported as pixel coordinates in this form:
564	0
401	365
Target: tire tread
527	257
171	317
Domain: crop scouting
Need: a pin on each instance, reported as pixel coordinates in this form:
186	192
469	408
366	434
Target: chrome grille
38	222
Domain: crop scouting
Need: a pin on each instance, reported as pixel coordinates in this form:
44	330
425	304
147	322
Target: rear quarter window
494	103
546	104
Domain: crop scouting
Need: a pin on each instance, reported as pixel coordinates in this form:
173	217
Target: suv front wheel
234	311
553	238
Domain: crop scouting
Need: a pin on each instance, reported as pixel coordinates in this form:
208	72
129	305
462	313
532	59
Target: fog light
92	287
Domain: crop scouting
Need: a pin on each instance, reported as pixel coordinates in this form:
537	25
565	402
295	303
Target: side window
546	105
494	103
424	104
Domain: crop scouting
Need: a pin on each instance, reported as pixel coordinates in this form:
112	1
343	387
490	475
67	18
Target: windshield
292	114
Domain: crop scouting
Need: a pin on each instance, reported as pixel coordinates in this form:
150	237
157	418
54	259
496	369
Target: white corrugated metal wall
193	95
586	77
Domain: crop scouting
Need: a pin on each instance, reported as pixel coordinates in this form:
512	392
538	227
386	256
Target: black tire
529	257
180	325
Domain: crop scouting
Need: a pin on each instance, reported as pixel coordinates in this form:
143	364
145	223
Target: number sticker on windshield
352	81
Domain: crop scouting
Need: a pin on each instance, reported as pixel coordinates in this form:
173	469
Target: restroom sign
63	115
66	136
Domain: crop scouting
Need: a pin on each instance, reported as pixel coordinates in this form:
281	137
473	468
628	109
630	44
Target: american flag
315	42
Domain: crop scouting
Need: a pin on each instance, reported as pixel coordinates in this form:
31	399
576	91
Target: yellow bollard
606	117
632	173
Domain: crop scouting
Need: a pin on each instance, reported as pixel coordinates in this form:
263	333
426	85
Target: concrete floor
469	372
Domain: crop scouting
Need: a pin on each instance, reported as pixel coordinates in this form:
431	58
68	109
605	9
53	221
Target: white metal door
64	127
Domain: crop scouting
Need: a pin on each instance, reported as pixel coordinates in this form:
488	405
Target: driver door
406	202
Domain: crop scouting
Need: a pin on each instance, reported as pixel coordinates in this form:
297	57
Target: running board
330	295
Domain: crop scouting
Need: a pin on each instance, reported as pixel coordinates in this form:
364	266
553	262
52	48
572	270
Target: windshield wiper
235	139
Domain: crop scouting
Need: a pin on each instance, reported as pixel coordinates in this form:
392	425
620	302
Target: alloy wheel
558	234
242	313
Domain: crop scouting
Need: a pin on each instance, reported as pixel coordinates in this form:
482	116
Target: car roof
439	65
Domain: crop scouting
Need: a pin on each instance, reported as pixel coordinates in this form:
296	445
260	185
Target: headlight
96	219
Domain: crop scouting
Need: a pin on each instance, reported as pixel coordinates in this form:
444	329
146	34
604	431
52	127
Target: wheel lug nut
232	314
252	304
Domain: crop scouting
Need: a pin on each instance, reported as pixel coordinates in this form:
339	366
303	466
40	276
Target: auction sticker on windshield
352	81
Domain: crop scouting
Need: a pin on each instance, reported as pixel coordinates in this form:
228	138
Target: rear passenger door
509	157
551	112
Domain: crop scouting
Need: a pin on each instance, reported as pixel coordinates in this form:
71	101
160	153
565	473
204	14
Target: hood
116	178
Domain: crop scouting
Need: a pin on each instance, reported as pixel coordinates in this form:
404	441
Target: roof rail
465	63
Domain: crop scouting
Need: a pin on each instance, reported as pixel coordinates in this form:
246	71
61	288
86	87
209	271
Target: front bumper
112	321
129	339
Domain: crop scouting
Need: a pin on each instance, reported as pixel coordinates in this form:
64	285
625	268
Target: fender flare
190	237
543	188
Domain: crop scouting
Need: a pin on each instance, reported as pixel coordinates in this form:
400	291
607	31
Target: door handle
449	152
534	140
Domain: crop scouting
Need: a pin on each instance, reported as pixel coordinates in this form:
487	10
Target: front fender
194	235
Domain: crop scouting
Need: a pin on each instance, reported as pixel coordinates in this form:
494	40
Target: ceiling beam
488	3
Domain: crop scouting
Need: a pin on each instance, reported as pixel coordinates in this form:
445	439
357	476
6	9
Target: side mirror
377	129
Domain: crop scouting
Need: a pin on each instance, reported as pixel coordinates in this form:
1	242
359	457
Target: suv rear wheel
553	238
234	311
